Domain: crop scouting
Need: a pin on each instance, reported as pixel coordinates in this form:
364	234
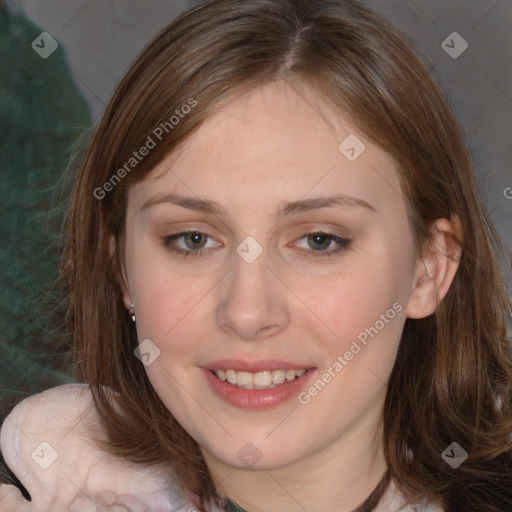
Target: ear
435	268
119	272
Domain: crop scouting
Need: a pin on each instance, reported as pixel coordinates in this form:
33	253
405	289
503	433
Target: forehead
273	141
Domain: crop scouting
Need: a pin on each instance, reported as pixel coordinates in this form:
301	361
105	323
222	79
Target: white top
44	440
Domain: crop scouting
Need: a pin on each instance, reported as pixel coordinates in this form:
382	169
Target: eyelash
343	244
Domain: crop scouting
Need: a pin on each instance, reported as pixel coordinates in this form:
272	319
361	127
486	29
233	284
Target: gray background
101	38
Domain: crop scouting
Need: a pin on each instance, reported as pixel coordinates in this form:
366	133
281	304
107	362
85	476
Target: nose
253	303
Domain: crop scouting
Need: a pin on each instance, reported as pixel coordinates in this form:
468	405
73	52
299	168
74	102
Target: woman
282	286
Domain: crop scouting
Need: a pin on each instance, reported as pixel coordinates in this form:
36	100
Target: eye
322	244
189	243
197	243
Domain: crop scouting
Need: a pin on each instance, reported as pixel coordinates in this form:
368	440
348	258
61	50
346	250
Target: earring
131	312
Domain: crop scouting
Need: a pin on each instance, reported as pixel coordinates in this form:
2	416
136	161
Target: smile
266	379
259	389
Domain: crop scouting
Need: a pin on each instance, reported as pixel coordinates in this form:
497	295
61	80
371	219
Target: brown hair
452	377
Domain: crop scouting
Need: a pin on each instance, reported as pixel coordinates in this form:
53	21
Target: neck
340	476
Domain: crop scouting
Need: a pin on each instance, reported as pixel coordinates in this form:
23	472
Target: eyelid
166	240
341	244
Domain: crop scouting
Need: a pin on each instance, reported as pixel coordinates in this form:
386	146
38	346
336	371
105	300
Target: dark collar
233	507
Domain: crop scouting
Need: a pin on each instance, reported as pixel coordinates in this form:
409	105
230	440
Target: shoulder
56	408
48	442
68	399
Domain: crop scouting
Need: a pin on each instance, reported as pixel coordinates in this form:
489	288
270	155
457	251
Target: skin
272	145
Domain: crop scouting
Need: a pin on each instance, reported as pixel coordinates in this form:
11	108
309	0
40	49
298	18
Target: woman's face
266	247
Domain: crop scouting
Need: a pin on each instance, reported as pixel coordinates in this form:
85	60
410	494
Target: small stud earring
131	312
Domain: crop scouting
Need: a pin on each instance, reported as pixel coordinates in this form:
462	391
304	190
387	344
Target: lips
251	396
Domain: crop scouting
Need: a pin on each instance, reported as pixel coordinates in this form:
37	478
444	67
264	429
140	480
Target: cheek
357	342
359	315
349	303
166	307
162	297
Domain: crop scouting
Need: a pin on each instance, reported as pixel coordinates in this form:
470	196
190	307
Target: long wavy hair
452	378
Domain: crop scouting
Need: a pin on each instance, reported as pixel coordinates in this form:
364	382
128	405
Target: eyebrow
289	208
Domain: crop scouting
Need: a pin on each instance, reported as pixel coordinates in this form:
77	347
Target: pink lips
255	399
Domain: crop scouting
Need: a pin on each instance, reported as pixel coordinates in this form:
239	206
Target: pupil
195	240
320	240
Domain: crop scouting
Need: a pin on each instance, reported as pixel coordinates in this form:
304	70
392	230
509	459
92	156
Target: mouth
266	379
257	385
257	390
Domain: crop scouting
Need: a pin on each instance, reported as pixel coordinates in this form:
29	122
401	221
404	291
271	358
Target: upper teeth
259	380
